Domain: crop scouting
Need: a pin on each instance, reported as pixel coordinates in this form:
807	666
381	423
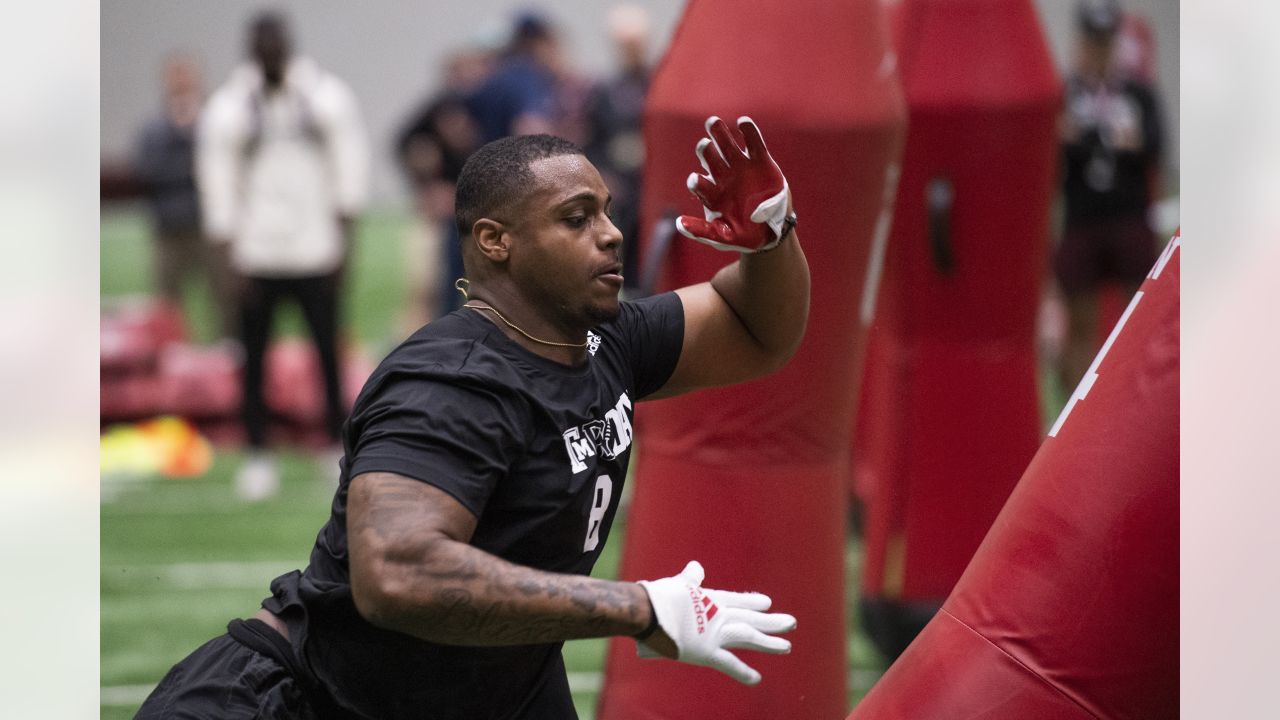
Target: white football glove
704	623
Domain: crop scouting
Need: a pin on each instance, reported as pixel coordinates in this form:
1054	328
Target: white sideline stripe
862	680
191	576
586	682
115	695
195	507
579	682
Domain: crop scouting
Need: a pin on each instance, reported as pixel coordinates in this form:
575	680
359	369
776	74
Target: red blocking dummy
950	410
750	480
1070	606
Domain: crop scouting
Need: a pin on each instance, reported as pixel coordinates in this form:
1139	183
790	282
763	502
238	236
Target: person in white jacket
282	165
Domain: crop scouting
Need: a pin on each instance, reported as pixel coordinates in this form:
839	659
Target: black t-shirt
1117	144
536	450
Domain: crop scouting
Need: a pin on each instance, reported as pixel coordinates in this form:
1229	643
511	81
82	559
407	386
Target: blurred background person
571	90
283	166
431	149
1112	140
526	88
520	97
165	169
614	142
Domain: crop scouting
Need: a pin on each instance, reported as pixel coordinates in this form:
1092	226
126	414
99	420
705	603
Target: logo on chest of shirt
609	437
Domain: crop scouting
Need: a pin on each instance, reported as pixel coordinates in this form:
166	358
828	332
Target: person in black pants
282	171
1112	145
318	298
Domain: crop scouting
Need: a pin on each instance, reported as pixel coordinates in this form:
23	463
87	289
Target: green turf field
179	558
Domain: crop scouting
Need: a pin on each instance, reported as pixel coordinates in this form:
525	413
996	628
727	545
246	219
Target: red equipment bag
200	382
132	396
294	385
133	330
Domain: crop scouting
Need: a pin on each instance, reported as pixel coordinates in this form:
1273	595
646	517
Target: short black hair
496	177
1099	19
273	21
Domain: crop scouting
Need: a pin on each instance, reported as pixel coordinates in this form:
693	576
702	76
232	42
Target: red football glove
744	195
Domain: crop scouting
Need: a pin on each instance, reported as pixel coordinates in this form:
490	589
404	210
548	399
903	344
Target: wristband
653	621
788	224
743	193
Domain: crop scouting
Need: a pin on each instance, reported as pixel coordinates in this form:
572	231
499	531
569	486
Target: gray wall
389	50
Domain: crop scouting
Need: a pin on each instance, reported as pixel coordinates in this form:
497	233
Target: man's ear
491	239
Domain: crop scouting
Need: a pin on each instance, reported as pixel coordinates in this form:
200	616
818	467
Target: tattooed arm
413	571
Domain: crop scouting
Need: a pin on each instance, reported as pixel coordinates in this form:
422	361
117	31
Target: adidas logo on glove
704	623
703	608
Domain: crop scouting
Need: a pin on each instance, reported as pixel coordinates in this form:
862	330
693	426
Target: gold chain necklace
515	327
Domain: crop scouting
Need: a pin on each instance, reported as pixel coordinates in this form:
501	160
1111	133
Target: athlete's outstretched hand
744	195
704	624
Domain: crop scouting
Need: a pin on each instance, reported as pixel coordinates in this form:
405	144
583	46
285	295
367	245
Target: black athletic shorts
247	673
1120	249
